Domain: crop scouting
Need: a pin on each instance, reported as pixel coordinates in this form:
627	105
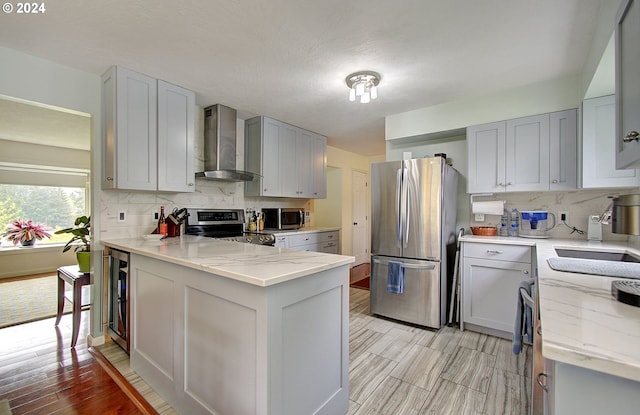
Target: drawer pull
494	251
525	272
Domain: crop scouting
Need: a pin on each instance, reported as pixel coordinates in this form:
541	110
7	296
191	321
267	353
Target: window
56	207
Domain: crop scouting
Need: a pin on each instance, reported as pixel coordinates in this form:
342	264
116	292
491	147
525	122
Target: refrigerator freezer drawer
420	301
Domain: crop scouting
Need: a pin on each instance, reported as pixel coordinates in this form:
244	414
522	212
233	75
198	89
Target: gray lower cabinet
212	345
570	389
491	275
322	241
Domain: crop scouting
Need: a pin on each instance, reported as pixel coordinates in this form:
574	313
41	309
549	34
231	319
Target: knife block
172	229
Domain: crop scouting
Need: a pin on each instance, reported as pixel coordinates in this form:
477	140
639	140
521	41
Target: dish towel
524	319
395	277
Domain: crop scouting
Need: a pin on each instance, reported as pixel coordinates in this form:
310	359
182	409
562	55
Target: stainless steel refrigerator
413	228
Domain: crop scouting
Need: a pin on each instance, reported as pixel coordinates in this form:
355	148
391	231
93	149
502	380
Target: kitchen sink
599	255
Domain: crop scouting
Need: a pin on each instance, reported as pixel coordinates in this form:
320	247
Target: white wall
455	148
346	162
38	80
539	98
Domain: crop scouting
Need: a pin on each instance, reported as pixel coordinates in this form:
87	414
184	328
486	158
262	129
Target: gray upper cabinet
598	138
148	133
290	161
129	130
534	153
176	131
628	85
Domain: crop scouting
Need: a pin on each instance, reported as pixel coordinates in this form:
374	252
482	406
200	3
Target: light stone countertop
582	323
250	263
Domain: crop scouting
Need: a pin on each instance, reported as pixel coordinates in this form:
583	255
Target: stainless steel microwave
283	218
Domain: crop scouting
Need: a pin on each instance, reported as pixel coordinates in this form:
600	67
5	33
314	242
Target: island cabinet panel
240	348
208	318
153	324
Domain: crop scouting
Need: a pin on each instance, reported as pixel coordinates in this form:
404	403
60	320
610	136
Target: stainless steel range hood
220	146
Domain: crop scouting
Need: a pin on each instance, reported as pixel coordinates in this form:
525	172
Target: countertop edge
325	261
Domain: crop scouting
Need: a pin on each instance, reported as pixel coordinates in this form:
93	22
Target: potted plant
80	241
26	232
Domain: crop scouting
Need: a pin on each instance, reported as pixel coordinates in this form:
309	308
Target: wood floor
393	369
41	374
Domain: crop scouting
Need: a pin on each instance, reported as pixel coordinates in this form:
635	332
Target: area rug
4	407
359	276
26	300
363	283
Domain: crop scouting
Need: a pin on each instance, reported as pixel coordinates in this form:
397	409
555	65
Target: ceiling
288	59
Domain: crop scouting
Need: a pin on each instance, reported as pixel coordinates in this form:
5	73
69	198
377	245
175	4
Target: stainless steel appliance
283	218
220	146
625	214
118	296
413	228
226	224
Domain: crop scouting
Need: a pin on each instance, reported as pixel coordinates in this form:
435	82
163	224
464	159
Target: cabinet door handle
508	183
554	181
109	179
540	381
539	330
190	184
500	184
525	272
631	136
494	252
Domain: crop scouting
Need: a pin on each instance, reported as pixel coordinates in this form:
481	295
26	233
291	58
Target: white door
360	244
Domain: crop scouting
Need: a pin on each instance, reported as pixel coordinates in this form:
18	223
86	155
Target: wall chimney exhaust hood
220	146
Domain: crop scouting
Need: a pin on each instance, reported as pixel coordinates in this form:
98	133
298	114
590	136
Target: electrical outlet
563	215
479	217
122	217
156	216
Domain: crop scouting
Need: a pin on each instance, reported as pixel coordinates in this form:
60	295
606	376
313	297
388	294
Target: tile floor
398	369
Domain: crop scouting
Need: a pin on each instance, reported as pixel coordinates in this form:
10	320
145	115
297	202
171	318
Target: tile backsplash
139	207
579	204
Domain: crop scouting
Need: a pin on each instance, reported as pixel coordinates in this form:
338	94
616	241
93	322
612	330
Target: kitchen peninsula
225	327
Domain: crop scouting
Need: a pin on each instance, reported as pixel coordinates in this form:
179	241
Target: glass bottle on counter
163	228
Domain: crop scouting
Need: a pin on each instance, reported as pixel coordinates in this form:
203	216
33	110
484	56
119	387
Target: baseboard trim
95	341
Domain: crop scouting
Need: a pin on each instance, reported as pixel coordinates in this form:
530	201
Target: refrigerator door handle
407	209
406	265
398	206
404	207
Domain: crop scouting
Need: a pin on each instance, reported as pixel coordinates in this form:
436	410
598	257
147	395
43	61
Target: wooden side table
77	279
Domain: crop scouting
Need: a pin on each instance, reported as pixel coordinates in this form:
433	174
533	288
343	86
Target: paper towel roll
494	207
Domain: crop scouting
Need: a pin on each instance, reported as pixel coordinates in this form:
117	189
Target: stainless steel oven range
225	224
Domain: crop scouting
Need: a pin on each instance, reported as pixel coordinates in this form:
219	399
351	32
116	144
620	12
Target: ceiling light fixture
363	84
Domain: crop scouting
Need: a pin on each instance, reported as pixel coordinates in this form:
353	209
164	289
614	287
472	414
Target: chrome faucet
605	217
